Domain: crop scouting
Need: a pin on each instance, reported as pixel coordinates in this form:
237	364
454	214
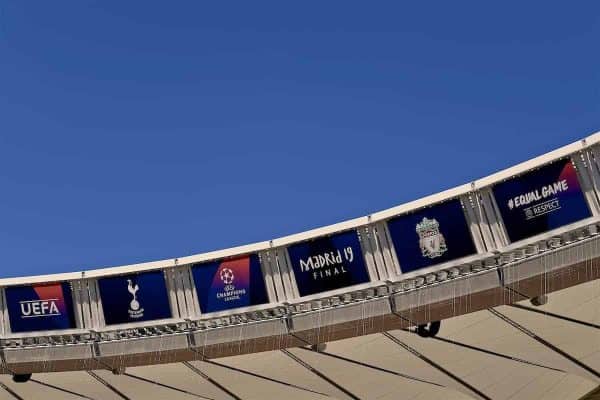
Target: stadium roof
554	353
519	309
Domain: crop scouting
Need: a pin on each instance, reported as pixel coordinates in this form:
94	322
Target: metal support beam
435	365
319	374
108	385
12	392
493	353
211	380
371	366
515	291
553	315
166	386
61	389
243	371
593	395
544	342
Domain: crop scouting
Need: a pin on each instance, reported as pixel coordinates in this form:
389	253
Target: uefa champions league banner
431	236
230	283
134	298
541	200
328	263
42	307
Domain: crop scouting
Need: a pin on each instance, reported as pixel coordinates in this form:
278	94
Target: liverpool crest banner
541	200
431	236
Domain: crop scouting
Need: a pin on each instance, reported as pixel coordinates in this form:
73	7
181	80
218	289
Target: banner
328	263
431	236
541	200
42	307
230	283
134	298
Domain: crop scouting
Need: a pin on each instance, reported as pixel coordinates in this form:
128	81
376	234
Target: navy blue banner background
25	303
151	297
230	283
452	226
568	206
336	275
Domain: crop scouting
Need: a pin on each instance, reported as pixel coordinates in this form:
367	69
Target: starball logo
229	292
546	198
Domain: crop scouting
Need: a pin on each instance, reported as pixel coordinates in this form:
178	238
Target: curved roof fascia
321	231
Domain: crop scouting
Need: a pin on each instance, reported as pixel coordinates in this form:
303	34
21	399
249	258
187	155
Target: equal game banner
42	307
328	263
231	283
431	236
541	200
134	298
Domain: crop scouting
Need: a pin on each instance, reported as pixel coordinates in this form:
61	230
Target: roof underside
510	352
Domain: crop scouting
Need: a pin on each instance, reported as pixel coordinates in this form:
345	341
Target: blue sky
135	131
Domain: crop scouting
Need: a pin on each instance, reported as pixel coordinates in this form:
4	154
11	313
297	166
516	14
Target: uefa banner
41	307
328	263
231	283
541	200
134	298
431	236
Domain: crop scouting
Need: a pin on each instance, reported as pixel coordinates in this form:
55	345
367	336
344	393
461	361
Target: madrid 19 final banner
134	297
328	263
230	283
541	200
430	236
42	307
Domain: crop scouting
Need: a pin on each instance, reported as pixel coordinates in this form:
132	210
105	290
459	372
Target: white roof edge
48	278
321	231
422	202
532	163
593	138
126	269
230	252
173	262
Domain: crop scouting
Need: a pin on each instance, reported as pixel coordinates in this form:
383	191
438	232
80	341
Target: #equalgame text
538	194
